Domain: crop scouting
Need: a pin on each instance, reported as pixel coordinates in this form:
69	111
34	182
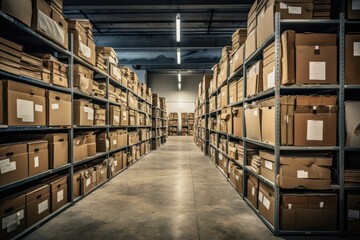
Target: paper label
8	168
4	162
356	49
220	156
115	163
90	114
353	214
289	205
294	10
271	79
25	110
54	106
85	50
38	108
315	129
231	99
256	113
266	203
88	182
43	206
283	5
60	196
268	165
224	164
114	142
253	191
36	162
236	56
260	197
117	119
51	27
302	174
237	177
11	222
355	5
321	204
317	71
107	143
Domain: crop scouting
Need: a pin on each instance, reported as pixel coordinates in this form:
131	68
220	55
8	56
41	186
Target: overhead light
178	27
179	77
179	85
178	56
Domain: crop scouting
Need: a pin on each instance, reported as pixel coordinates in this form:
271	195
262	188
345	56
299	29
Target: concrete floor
173	193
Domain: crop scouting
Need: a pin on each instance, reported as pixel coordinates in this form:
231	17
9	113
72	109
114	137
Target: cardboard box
25	105
352	122
224	71
114	115
237	120
102	142
223	162
353	10
37	203
250	44
352	59
288	57
101	172
88	180
58	109
58	149
79	149
38	157
83	83
266	202
286	120
254	79
99	116
76	185
12	215
295	10
58	191
122	138
83	113
132	118
19	9
232	92
309	212
14	163
113	140
237	60
315	117
267	167
316	58
268	67
353	212
252	190
1	104
224	97
90	141
253	123
240	89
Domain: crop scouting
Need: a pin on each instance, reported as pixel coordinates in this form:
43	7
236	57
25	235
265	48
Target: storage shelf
89	159
352	188
6	128
261	178
89	97
265	94
235	137
238	72
88	65
89	127
236	103
352	87
266	222
92	190
237	163
115	83
352	149
258	53
33	81
215	111
33	178
309	21
117	149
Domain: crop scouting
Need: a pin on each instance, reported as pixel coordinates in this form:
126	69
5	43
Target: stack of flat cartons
173	124
237	53
100	61
184	124
109	54
224	65
10	56
322	9
83	78
191	123
58	70
31	66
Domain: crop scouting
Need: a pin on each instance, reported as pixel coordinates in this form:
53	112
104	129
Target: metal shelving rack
338	151
27	37
157	128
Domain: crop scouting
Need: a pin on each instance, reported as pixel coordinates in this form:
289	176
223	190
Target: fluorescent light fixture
179	85
178	56
179	77
178	27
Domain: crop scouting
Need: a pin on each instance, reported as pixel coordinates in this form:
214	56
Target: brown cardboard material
83	113
12	215
232	92
58	109
237	59
223	162
240	89
19	9
102	142
237	119
224	97
224	71
252	190
58	149
266	202
253	123
295	10
113	140
352	212
254	79
79	149
25	105
352	59
76	185
88	180
83	83
122	138
1	103
38	157
269	76
58	191
316	58
37	203
352	123
101	172
90	142
14	163
309	212
352	10
250	44
288	57
114	115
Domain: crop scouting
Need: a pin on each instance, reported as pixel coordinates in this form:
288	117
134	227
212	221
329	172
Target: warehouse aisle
173	193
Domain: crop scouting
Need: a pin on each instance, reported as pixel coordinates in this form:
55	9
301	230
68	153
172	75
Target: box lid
58	96
24	88
56	137
15	202
315	39
34	146
10	149
315	100
304	160
33	193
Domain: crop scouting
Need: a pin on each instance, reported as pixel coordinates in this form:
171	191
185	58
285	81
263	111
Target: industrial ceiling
143	32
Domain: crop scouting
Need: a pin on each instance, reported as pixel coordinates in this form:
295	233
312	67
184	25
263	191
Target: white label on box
117	118
294	10
5	162
356	49
253	191
289	205
90	114
54	106
220	156
237	177
321	204
43	206
231	99
271	79
86	109
266	203
60	196
38	108
353	214
107	143
260	197
283	5
256	113
268	165
302	174
9	168
355	5
51	27
12	221
25	110
88	182
317	71
224	164
114	142
36	162
115	163
236	56
85	50
315	129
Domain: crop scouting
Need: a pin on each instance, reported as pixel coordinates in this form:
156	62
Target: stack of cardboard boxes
173	124
191	123
184	124
237	54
